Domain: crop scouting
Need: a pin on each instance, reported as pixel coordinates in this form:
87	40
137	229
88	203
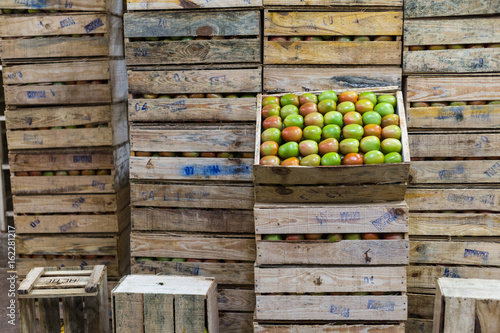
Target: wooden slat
288	78
158	313
28	283
307	3
452	31
414	325
236	300
189	313
237	196
488	313
73	315
453	172
320	218
61	282
346	252
63	184
464	322
95	278
453	252
97	308
269	328
128	312
329	279
77	245
330	194
27	320
158	245
195	81
452	88
212	309
453	199
454	224
335	53
455	117
192	23
186	168
332	23
372	308
417	8
200	220
192	109
114	6
421	305
455	145
235	322
61	138
49	315
191	4
425	277
225	273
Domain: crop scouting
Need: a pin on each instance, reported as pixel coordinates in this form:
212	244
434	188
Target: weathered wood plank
452	88
269	328
282	23
346	252
454	224
158	312
128	312
192	110
200	81
334	53
454	117
191	4
164	245
200	220
430	8
329	279
114	6
372	308
189	313
306	3
445	172
414	325
453	199
421	305
60	138
115	267
320	218
63	184
235	322
455	253
72	244
236	300
455	145
234	196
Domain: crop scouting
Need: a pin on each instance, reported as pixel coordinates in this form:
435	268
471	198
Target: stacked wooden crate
306	279
65	94
325	44
452	69
193	78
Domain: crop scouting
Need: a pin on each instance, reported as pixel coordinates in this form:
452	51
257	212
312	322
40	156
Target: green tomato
369	96
294	120
331	131
334	118
273	237
288	110
369	143
393	158
387	99
328	94
331	159
271	134
384	109
373	157
312	133
289	149
311	160
372	117
390	145
354	131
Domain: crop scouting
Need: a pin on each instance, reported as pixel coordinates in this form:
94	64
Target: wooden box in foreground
84	295
192	37
147	303
333	24
467	305
333	184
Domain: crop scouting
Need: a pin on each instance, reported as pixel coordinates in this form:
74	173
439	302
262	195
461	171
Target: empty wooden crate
148	303
84	295
467	305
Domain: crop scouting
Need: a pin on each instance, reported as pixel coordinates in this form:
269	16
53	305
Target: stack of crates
452	82
332	245
65	93
319	45
194	74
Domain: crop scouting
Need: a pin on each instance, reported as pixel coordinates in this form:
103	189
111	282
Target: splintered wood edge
27	285
95	278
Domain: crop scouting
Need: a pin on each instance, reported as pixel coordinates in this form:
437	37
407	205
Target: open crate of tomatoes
309	149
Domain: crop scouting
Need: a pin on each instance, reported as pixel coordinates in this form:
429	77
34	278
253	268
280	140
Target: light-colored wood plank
430	8
191	4
95	278
234	196
182	81
114	6
61	138
488	314
345	308
320	218
455	253
128	312
307	3
335	53
452	88
235	322
455	117
329	279
293	78
62	184
332	23
200	220
224	273
28	283
236	300
463	199
346	252
158	313
186	168
453	322
452	172
338	328
454	224
164	245
192	109
455	145
189	313
72	244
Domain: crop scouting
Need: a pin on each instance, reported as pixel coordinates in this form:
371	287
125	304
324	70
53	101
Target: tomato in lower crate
345	107
326	106
393	158
269	148
270	100
311	160
289	149
308	147
393	236
372	118
272	237
364	105
270	110
353	117
390	145
352	236
334	118
331	131
294	120
273	122
334	237
271	134
368	95
313	236
348	146
289	99
312	133
369	143
384	109
373	157
391	131
330	145
420	105
288	110
331	159
294	237
353	131
307	108
292	133
370	236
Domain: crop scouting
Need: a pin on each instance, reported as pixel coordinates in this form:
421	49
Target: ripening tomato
269	148
352	159
327	105
348	96
270	100
370	236
307	108
290	99
291	161
273	122
391	131
353	118
270	110
308	98
363	105
390	119
270	160
292	133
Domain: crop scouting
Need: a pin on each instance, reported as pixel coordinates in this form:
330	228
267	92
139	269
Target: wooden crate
451	31
470	305
78	289
328	328
109	165
76	82
133	5
433	8
306	23
415	325
110	6
223	25
103	36
195	79
278	79
187	304
345	183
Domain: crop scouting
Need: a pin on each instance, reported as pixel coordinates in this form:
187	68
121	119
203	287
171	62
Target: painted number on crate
78	202
98	185
483	142
178	77
34	223
350	216
481	114
95	24
214	80
141	107
214	170
478	63
493	170
368	280
67	226
322	218
82	158
380	305
140	51
148	196
340	310
36	94
475	253
163	23
68	4
449	174
67	22
33	138
385	219
451	273
16	75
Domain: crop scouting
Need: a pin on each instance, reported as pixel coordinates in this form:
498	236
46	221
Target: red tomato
352	159
292	161
292	133
348	96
